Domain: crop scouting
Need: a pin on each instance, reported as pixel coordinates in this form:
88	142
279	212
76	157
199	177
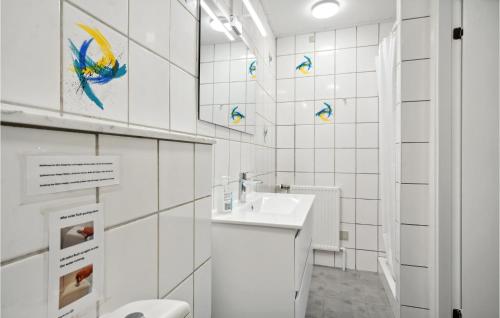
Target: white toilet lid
154	308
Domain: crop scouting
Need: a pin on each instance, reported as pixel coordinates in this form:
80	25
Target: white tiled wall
155	245
413	145
343	152
159	44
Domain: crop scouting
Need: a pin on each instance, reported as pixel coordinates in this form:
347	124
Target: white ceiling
288	17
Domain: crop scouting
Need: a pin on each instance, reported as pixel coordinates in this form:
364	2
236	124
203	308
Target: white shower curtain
386	79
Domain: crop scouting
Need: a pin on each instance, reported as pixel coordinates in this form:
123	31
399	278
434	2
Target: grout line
23	257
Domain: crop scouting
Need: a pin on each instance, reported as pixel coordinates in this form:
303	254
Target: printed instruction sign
50	174
76	252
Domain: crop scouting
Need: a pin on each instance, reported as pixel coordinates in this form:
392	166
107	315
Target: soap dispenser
228	196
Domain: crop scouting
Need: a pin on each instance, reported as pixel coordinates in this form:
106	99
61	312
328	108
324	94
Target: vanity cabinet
261	271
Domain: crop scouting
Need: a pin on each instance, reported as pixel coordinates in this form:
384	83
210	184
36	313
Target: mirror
228	72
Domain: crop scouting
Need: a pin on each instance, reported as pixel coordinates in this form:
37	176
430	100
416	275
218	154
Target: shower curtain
386	79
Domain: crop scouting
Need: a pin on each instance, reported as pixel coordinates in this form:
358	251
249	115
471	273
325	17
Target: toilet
154	308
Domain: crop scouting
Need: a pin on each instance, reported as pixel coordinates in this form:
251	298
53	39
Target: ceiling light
255	17
325	9
220	25
215	20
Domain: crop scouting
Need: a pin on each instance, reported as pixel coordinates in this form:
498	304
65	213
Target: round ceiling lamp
325	9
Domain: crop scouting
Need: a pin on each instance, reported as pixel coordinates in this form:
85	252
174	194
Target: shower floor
350	294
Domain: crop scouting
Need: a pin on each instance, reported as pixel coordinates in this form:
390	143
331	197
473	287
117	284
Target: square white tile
238	70
325	179
304	112
112	12
24	222
137	193
345	110
238	50
285	160
203	170
285	45
221	91
285	178
415	163
366	211
348	207
324	87
324	160
347	183
285	90
207	52
345	85
367	186
202	231
366	237
132	252
366	85
304	178
415	204
304	43
176	161
221	72
345	38
345	135
415	286
221	160
325	40
32	271
222	51
203	291
324	136
304	136
415	121
304	160
367	110
325	63
414	9
285	66
345	160
148	24
183	37
367	35
184	292
175	246
367	160
366	261
206	72
345	61
285	113
37	23
415	80
149	100
304	88
414	245
365	58
234	159
415	38
285	136
110	100
237	94
367	135
183	101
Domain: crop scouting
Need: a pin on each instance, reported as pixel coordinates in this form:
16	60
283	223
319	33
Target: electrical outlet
344	235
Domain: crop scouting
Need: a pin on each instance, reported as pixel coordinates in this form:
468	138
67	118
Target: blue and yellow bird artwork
326	113
252	69
305	66
236	116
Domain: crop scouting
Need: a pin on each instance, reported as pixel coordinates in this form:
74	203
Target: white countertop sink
269	209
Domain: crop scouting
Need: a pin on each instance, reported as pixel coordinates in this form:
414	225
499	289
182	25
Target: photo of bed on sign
75	285
76	234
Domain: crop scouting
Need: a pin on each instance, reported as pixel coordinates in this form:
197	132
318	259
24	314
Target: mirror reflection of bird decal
236	116
325	113
305	66
252	69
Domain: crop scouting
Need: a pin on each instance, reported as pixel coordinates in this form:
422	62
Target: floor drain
135	315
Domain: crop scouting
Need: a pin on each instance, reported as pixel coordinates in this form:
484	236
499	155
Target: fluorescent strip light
255	17
216	20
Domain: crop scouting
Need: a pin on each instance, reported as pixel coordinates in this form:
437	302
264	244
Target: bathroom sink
269	209
272	204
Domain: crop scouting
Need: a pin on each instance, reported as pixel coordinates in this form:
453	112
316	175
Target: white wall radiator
326	217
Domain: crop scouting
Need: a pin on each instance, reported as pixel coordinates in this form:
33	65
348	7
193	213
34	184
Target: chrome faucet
242	189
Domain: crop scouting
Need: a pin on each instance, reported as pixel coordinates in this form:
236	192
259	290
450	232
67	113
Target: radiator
326	216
